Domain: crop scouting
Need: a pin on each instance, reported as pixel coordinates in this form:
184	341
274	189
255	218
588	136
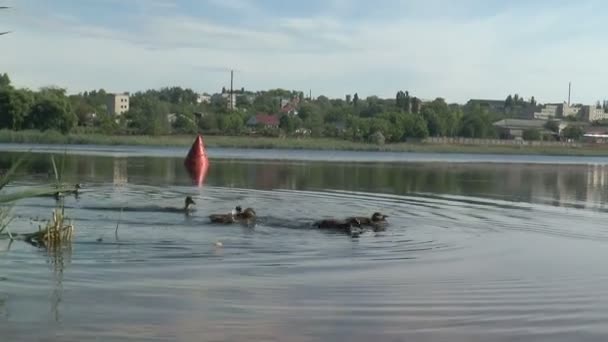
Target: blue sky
453	49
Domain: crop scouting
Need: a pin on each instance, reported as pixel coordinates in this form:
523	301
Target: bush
531	134
377	138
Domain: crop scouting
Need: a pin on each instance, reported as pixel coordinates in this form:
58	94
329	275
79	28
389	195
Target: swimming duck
237	215
377	221
247	214
74	192
340	225
187	208
224	218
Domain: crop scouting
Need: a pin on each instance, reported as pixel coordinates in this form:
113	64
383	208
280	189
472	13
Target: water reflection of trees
533	183
57	259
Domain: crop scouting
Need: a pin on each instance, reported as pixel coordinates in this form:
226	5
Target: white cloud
490	56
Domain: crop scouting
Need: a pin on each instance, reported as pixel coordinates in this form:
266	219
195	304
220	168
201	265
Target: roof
520	123
266	120
496	102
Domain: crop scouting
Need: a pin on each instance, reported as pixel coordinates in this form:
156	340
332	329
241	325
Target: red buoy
196	161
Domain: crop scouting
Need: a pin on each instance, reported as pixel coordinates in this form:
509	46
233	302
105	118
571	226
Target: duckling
377	221
247	214
187	208
187	203
226	218
237	215
341	225
74	192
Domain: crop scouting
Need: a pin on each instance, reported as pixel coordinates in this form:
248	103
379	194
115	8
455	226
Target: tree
416	104
509	102
51	112
148	115
231	123
287	123
532	101
552	126
356	100
408	101
14	107
185	124
434	123
5	81
531	134
377	138
400	100
476	123
572	132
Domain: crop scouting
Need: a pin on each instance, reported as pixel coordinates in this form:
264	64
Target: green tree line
175	110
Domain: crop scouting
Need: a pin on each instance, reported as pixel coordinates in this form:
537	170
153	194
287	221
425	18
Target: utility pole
231	90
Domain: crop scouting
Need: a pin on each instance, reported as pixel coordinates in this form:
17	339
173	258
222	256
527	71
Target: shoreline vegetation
308	143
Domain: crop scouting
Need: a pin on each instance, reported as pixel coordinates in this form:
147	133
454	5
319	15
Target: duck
237	215
377	221
224	218
187	208
74	192
247	214
346	225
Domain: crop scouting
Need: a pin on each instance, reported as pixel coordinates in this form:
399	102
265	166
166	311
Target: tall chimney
569	92
231	90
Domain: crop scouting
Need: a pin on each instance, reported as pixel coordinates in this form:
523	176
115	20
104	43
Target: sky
457	50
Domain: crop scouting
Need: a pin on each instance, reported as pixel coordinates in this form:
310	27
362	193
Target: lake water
479	248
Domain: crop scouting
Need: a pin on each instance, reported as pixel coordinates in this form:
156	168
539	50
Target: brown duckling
247	214
225	218
187	208
342	225
58	195
376	221
237	215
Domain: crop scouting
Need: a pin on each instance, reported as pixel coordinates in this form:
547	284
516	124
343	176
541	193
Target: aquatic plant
58	230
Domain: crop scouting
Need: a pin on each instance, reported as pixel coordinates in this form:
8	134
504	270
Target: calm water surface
499	249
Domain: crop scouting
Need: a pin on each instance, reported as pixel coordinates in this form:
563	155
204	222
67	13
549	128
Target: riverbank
50	137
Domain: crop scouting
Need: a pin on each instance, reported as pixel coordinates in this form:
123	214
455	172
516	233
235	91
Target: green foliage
15	105
552	126
477	123
289	123
5	81
397	119
52	110
531	134
231	123
148	115
573	132
185	124
377	138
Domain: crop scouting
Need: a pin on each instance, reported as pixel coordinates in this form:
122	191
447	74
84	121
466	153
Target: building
118	104
290	106
549	111
514	128
230	100
592	113
203	98
264	120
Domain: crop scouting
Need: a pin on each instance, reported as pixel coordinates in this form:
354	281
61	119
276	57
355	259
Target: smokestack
569	92
231	90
